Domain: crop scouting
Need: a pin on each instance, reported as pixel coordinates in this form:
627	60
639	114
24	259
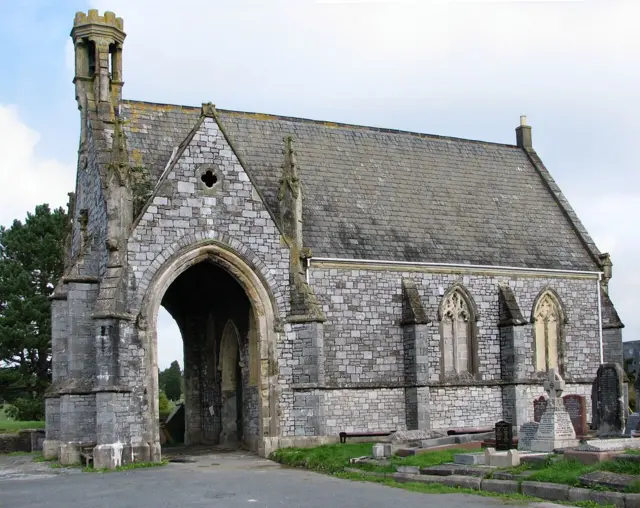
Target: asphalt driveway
228	480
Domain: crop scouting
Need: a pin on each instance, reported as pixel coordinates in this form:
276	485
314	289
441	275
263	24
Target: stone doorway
221	355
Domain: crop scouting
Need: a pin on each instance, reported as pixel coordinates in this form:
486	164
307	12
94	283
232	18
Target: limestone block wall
184	212
363	338
90	197
464	406
364	410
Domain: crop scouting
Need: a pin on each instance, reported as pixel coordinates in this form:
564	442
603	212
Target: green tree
170	381
31	262
164	406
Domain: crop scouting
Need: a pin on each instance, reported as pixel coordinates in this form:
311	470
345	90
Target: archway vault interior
221	355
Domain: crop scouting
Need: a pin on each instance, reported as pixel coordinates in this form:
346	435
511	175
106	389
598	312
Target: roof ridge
327	123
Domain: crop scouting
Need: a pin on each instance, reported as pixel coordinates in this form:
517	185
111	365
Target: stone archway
261	335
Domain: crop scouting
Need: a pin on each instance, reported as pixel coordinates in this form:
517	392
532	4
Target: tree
170	381
31	262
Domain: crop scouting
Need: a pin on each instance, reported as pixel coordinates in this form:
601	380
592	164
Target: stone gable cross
554	385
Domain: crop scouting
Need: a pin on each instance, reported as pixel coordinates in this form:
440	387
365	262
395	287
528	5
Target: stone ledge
540	490
500	486
551	491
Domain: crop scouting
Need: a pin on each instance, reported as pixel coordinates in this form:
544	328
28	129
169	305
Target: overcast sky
456	68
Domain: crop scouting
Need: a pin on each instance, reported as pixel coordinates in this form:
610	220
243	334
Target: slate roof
371	193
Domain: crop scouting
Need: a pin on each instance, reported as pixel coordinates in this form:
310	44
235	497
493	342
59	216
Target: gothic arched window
457	320
548	320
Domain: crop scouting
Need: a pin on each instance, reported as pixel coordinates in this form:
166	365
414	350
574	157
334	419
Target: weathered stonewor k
555	430
325	277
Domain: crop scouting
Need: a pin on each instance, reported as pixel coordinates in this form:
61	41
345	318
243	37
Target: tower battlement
92	17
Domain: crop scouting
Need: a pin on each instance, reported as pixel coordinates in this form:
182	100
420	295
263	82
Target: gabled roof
371	193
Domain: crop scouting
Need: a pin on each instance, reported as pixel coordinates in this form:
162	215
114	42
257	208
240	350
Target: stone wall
185	212
465	406
363	410
90	198
363	339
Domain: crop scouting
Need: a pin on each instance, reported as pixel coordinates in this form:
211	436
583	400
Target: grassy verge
568	472
334	458
12	427
126	467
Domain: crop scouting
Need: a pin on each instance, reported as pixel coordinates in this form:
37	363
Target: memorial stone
576	406
555	430
504	435
610	400
526	435
633	422
539	405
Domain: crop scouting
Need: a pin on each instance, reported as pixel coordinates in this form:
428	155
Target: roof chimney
523	134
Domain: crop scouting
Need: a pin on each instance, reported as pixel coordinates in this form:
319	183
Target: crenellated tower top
98	64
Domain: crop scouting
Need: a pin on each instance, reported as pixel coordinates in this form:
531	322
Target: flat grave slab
455	469
469	458
589	457
608	445
615	481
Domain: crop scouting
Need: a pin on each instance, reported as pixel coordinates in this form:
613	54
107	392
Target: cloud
28	178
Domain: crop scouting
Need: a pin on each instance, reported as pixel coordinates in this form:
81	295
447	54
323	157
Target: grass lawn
568	472
10	426
334	458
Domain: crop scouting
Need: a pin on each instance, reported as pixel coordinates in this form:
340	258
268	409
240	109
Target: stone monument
526	435
539	407
633	423
576	406
608	399
555	430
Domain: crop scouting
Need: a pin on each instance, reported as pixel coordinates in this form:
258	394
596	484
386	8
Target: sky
463	68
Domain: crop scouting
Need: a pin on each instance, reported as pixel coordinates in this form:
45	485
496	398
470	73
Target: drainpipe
600	318
308	263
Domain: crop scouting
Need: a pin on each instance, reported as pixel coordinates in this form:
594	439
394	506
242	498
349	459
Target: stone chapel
325	277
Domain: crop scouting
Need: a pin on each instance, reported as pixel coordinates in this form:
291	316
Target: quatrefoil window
209	178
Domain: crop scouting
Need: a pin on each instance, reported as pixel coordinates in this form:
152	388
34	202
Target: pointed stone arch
457	314
548	317
265	308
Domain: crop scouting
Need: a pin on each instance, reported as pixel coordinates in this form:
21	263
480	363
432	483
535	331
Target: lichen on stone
141	188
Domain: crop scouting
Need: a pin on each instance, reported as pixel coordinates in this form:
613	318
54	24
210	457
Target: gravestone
504	435
539	405
555	430
526	435
633	422
576	406
609	400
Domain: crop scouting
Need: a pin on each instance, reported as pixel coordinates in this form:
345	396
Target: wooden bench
345	435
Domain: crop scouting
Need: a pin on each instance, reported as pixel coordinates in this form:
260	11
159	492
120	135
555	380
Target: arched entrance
226	314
